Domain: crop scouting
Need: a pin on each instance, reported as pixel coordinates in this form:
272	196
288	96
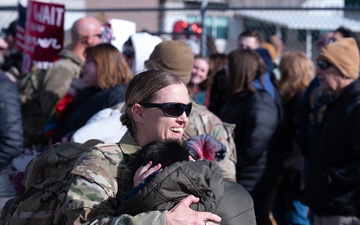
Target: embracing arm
83	207
93	192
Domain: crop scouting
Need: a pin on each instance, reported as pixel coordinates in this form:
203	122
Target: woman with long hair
101	84
256	117
297	71
200	82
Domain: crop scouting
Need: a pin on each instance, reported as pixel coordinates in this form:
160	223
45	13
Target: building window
215	26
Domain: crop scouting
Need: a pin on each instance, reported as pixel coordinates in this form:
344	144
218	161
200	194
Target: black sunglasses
171	109
322	64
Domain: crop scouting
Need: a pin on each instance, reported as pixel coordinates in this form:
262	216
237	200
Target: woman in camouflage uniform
158	107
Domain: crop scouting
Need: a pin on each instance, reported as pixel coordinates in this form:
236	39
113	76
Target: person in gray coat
11	134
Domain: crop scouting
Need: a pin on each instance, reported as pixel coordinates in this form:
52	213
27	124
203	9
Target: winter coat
256	118
11	133
202	179
86	104
293	166
333	183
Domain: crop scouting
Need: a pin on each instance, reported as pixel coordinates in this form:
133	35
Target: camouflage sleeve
56	82
219	132
97	208
93	188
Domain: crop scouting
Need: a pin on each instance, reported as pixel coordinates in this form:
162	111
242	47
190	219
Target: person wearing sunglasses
138	48
332	188
183	173
157	108
257	119
176	57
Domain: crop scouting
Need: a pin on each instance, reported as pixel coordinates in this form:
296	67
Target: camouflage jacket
58	79
203	121
100	179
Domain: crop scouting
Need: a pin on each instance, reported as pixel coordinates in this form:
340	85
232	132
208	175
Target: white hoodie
143	44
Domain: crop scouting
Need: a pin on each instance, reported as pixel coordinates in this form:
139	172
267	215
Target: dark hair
348	33
165	152
251	33
128	42
244	66
11	30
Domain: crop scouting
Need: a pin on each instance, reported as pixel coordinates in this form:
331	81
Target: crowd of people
261	135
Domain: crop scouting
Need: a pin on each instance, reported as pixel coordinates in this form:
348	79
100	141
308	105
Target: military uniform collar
128	144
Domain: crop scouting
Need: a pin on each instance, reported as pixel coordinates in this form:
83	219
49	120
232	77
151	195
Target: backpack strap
90	143
52	172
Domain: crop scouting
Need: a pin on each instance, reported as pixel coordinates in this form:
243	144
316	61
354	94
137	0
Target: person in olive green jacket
158	107
176	57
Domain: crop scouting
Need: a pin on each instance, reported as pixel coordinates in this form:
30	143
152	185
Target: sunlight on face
248	43
199	71
157	126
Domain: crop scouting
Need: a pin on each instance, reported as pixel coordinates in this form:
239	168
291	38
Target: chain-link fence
298	27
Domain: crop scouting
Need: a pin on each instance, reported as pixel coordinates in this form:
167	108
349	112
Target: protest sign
44	34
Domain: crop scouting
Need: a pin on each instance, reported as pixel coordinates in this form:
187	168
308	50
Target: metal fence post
203	48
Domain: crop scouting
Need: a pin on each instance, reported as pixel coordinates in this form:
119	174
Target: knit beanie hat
344	55
174	57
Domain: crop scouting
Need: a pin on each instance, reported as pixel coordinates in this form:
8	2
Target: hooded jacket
202	179
143	44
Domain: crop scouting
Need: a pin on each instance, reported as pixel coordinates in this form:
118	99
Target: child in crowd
181	177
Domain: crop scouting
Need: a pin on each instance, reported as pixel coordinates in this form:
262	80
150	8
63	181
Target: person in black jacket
179	177
11	134
256	116
332	188
297	71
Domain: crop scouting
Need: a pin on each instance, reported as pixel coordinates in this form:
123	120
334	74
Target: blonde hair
297	71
